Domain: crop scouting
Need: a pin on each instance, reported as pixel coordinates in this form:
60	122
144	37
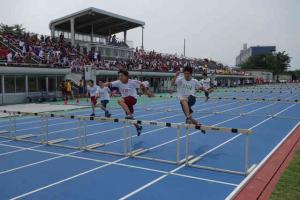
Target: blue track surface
35	171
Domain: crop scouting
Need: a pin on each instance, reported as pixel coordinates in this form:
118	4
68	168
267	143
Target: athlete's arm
175	78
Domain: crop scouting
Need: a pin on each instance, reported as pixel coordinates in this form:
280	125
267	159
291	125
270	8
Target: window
20	83
52	84
41	83
32	84
9	82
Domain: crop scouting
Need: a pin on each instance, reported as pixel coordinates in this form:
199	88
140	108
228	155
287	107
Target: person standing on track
80	91
186	89
104	94
128	89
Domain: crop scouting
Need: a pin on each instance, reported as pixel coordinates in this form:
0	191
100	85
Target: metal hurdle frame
255	99
137	153
188	160
191	162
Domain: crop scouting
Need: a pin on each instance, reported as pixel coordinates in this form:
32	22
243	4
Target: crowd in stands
58	52
158	62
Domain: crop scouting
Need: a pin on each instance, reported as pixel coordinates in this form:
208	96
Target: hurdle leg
187	146
246	153
80	134
178	146
125	139
129	135
45	131
273	112
12	124
214	109
84	139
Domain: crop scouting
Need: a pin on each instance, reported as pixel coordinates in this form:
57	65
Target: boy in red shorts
92	91
127	87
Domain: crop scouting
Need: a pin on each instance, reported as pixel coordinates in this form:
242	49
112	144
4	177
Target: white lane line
105	131
246	180
99	124
46	160
39	189
51	119
139	108
67	179
71	155
180	167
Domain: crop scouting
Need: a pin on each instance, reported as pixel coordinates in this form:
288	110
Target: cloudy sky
214	29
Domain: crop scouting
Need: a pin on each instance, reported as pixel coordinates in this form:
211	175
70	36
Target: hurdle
128	150
140	152
192	162
297	101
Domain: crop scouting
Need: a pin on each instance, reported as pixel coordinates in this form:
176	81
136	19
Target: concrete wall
21	97
266	75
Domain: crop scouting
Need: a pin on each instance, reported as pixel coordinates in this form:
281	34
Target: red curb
262	184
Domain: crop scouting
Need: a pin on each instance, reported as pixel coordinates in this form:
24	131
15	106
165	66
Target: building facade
246	53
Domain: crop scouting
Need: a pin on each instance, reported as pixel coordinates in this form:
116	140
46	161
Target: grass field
288	187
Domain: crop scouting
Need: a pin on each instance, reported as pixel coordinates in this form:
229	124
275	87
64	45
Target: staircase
15	49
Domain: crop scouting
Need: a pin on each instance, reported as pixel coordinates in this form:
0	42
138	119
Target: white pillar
26	86
47	85
92	33
142	37
72	22
52	29
125	37
3	92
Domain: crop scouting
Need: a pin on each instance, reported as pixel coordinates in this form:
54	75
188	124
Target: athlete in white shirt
186	90
92	92
104	94
127	87
206	86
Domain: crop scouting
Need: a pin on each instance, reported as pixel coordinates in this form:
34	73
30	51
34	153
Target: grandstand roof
102	22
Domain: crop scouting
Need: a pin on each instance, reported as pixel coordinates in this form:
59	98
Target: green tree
16	29
277	63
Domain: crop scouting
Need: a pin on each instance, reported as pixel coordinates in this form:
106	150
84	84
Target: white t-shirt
215	83
9	57
206	83
186	88
128	89
104	93
92	90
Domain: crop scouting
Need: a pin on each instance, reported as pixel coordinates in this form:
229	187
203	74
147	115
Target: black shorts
206	94
81	91
191	102
104	103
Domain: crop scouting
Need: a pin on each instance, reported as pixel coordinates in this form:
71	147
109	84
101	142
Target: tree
277	62
295	74
16	29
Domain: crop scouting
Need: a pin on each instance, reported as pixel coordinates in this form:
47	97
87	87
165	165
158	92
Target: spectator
9	57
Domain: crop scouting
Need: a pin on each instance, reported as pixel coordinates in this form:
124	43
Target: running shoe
107	114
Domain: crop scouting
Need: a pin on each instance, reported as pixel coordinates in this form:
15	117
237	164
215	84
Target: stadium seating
57	52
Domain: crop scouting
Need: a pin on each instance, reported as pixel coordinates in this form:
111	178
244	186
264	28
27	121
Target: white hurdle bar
254	99
191	162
